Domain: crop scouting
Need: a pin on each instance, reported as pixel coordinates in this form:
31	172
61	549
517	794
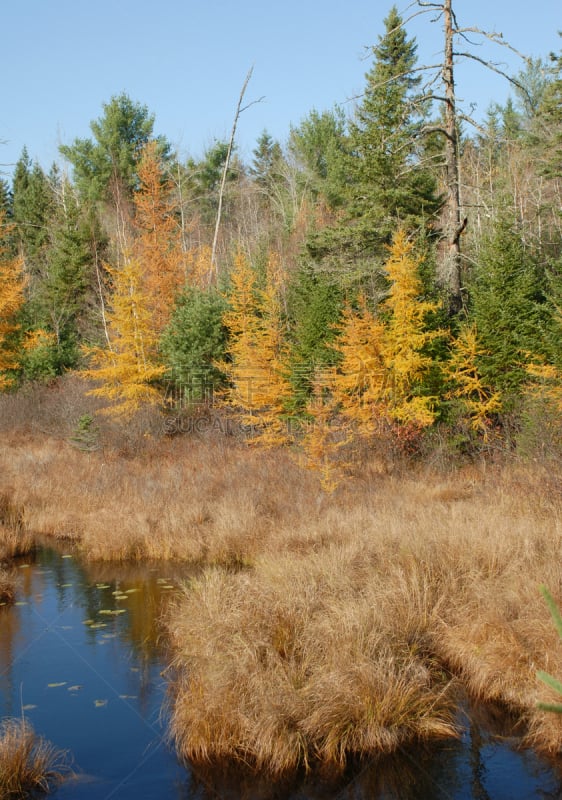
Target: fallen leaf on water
127	696
55	685
21	603
100	703
75	688
28	707
130	591
103	586
67	556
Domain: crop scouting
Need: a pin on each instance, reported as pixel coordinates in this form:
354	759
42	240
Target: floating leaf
98	625
67	556
100	703
121	597
24	566
75	688
28	707
65	585
103	586
56	685
21	603
130	591
127	696
113	612
87	622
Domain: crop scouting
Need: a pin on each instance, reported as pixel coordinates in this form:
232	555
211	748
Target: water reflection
81	655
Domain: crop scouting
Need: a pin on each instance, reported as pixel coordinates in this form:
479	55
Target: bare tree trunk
239	110
453	225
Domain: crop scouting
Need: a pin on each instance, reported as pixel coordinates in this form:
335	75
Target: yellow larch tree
258	387
128	368
359	385
406	335
478	400
157	243
12	296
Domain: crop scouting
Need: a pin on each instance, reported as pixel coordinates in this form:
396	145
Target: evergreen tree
105	168
60	298
33	205
388	184
316	303
195	341
508	308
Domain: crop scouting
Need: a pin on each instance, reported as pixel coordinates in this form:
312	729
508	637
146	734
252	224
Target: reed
28	763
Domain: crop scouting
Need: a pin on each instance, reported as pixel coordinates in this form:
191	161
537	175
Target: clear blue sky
186	61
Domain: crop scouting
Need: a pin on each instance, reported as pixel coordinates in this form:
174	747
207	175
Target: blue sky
186	61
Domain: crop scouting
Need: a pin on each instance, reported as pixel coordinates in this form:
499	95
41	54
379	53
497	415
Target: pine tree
508	308
387	183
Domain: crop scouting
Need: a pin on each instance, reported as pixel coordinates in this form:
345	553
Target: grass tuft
28	763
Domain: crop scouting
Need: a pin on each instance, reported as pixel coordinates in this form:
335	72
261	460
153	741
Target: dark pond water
81	656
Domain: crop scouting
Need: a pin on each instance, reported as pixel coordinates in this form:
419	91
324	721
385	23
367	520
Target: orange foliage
12	287
158	241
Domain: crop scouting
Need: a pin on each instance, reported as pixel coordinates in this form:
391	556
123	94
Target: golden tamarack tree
258	387
477	400
144	292
127	369
381	369
12	296
157	238
383	362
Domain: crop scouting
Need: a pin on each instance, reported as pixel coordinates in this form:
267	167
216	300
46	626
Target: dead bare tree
239	110
454	221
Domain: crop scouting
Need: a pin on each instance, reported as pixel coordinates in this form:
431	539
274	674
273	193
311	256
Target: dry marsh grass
28	763
325	626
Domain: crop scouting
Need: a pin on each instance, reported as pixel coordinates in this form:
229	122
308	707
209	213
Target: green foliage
544	676
107	164
32	206
316	302
386	184
319	146
508	307
195	341
86	434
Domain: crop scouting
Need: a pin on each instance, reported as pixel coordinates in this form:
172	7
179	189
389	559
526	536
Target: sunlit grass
28	763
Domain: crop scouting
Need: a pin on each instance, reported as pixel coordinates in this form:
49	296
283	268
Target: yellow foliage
479	400
546	382
128	369
198	266
359	385
258	386
12	288
324	436
382	360
405	335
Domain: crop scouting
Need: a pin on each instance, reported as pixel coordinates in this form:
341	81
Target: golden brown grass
28	763
326	625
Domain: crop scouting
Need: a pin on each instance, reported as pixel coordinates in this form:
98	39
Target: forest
331	378
386	274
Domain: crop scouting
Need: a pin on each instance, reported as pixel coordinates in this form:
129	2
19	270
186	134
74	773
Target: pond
82	657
